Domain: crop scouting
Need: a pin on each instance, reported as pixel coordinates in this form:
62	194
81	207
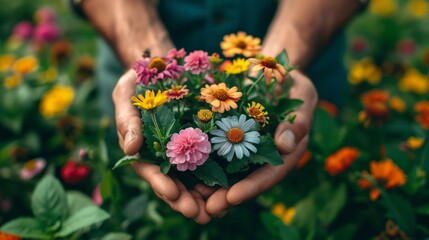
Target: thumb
287	136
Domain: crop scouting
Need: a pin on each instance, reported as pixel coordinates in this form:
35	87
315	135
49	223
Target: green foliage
26	227
267	152
401	211
211	174
278	229
85	217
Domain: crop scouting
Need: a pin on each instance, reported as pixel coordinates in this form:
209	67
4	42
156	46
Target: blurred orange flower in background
6	236
6	62
397	104
375	106
240	43
341	160
285	214
422	110
304	159
25	65
386	173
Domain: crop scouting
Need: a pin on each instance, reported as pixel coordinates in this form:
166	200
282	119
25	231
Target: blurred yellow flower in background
418	8
415	142
364	70
238	66
56	101
397	104
383	7
12	81
6	62
240	43
414	81
285	214
49	75
25	65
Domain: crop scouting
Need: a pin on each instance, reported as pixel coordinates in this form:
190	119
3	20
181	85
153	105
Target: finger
288	135
186	203
203	217
127	116
264	178
217	203
160	183
205	191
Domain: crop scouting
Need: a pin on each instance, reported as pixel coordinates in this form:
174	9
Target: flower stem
158	131
254	83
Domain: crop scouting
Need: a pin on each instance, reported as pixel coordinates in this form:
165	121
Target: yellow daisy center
269	62
205	115
235	135
220	94
157	63
241	44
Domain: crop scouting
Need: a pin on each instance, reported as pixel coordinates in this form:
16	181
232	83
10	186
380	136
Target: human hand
291	141
188	202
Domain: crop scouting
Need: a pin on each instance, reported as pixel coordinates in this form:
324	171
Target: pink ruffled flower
46	32
31	168
197	62
177	54
188	149
154	69
23	30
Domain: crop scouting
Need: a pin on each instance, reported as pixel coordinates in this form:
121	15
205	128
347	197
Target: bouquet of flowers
211	119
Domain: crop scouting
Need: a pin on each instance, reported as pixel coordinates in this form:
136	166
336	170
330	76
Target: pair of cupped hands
202	202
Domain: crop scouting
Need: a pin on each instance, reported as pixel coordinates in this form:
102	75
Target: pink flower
407	47
31	168
154	69
96	196
23	30
177	54
46	32
45	15
188	149
177	92
210	78
197	62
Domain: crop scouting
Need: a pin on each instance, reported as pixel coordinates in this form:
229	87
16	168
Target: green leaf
237	165
325	127
424	159
287	105
165	167
106	189
25	228
49	201
104	155
344	233
135	209
267	152
282	58
76	201
211	174
400	211
116	236
124	161
335	201
277	228
83	218
423	210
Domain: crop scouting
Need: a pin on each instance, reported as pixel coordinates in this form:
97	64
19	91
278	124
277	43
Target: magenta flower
197	62
188	149
177	54
96	196
23	30
46	32
154	69
31	168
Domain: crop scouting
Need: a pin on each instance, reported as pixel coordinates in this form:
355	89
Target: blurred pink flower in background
46	33
31	168
23	30
96	196
177	54
359	45
407	47
45	15
197	62
73	172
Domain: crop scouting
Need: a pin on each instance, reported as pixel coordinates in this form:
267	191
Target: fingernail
130	136
238	203
288	140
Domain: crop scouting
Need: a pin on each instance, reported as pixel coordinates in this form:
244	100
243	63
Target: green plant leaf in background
277	228
117	236
76	201
287	105
327	135
124	161
83	218
26	228
400	211
335	199
267	152
237	165
49	201
135	209
211	174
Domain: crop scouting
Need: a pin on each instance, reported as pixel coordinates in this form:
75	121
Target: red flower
74	172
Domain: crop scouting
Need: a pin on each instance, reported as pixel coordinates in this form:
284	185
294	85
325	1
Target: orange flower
375	103
240	43
329	107
340	160
6	236
303	160
422	110
221	97
386	174
269	65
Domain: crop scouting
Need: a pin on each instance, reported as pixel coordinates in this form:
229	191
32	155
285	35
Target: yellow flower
12	81
364	70
240	43
256	111
25	65
150	101
238	66
56	101
205	115
221	97
269	65
414	81
49	75
6	62
383	7
286	214
415	142
397	104
418	8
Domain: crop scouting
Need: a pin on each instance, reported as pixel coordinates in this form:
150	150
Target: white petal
230	156
252	137
227	122
218	139
242	119
222	126
217	146
248	125
245	151
238	151
224	150
218	132
250	147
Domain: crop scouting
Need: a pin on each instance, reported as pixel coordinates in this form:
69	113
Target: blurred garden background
364	176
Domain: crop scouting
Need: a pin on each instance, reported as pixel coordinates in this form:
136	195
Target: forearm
130	26
303	27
